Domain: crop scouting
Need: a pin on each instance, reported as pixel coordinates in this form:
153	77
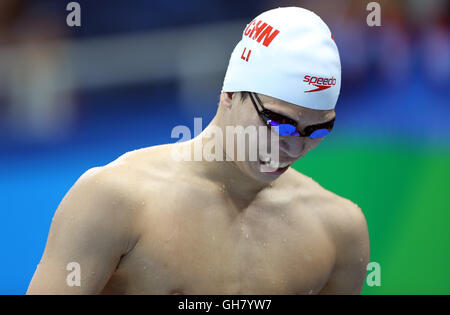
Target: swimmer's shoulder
137	164
109	183
341	217
106	202
132	173
304	185
344	224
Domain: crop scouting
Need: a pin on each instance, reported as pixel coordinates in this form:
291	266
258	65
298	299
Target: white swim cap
289	54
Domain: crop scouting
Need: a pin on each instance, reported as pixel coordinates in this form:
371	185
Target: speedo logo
319	83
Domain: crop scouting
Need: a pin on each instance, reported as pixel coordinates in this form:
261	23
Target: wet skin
145	224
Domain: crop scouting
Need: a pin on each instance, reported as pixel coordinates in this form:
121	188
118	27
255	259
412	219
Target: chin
259	172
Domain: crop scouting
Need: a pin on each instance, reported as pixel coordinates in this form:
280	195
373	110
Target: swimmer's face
290	148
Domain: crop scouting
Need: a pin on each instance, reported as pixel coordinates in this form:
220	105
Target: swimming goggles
285	126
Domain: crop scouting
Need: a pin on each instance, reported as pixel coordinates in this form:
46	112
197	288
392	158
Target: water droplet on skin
145	267
143	203
246	236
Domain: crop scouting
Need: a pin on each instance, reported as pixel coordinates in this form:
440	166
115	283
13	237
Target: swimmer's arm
91	227
352	252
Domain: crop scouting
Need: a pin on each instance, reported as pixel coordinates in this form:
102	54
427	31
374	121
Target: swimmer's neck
225	173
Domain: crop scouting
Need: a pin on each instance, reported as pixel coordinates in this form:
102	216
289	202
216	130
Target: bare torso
145	224
195	238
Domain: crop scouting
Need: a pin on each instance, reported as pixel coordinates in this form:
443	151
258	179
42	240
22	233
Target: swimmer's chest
196	249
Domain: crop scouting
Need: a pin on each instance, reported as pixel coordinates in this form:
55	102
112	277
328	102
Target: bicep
89	229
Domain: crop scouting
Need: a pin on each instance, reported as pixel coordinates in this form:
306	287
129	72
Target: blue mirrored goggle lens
283	129
319	133
286	129
290	130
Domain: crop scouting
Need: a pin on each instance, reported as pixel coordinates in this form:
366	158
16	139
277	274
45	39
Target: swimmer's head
288	64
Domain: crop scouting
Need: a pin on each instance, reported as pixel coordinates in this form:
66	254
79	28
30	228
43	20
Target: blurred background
72	98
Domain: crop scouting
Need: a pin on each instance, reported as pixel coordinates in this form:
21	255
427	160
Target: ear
226	98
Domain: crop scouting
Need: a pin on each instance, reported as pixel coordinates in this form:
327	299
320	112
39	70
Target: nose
292	146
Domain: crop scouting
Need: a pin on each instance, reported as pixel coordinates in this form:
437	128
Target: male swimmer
147	224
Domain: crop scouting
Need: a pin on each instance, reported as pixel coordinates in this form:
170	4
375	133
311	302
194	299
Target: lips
273	167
